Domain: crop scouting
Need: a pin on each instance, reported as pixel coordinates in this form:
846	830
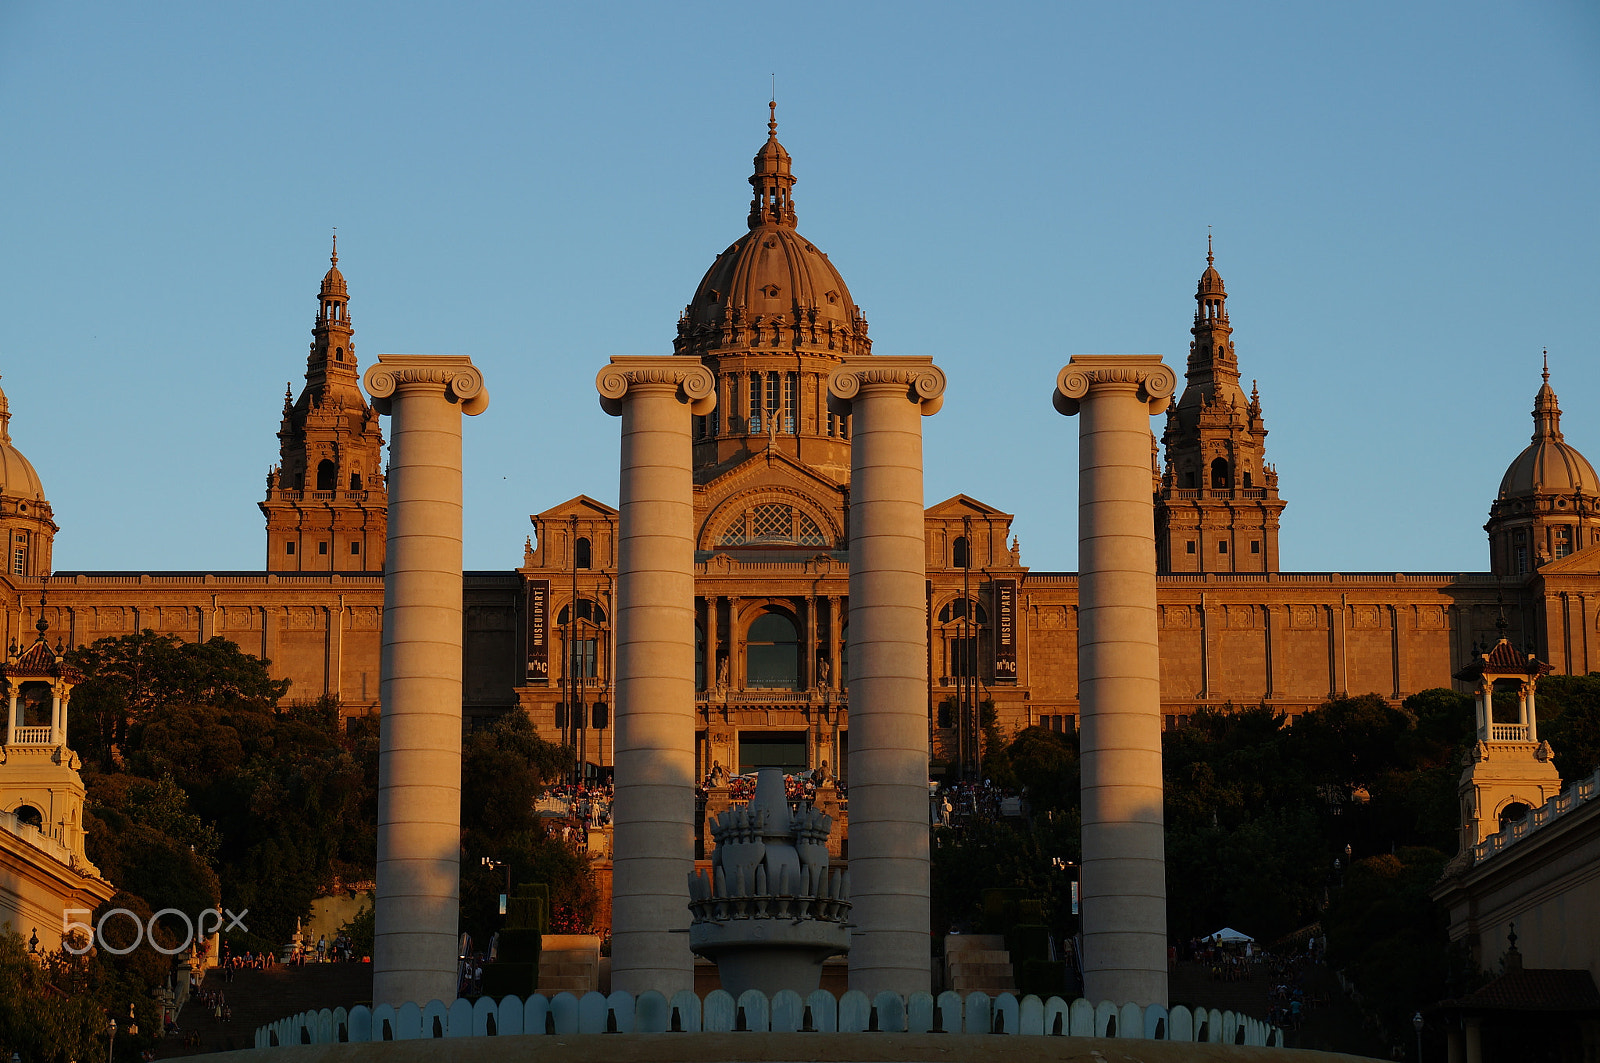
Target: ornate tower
1547	504
26	528
771	319
326	506
1509	771
1217	504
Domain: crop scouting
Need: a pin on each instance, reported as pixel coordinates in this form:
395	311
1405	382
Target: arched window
338	354
1247	478
326	473
582	554
961	553
30	815
962	609
772	653
1219	475
1512	813
588	609
355	481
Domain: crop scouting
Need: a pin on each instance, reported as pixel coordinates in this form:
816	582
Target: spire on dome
773	182
1546	410
5	418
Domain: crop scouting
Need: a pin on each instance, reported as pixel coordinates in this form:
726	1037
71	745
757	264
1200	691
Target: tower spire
1546	410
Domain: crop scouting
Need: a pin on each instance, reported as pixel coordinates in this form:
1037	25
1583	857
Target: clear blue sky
1403	195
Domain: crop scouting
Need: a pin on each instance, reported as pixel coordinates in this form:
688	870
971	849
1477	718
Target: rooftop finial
334	258
1547	365
1210	258
772	116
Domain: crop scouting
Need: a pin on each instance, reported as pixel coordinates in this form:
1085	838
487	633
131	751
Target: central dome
772	288
1548	465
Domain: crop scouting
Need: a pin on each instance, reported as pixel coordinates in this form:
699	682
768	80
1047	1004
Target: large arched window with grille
772	524
772	653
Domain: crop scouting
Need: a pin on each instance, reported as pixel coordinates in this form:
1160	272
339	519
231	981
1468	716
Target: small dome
1548	465
333	281
17	476
1211	282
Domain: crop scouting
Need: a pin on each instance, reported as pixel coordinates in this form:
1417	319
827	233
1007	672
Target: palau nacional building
771	318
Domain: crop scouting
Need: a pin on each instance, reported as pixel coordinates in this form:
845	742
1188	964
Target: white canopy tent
1229	936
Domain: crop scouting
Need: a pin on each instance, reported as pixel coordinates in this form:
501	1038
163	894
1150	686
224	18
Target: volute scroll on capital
460	379
1154	382
924	382
696	387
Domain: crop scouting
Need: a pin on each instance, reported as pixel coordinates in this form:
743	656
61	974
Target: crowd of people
799	788
955	803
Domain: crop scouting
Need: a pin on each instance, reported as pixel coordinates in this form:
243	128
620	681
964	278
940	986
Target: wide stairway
978	963
1193	985
259	997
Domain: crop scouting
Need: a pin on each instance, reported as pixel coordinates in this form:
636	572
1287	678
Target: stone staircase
978	963
1192	984
569	963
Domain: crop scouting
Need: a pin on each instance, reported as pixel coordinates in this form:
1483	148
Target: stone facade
771	319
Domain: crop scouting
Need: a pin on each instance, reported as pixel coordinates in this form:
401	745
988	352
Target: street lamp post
111	1047
493	864
1416	1024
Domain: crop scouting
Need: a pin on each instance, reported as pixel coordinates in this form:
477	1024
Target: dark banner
539	629
1005	635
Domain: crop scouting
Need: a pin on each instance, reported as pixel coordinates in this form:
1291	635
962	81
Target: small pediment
1584	562
965	506
583	507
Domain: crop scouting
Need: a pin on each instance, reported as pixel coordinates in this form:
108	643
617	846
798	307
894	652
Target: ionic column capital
452	374
1144	374
691	382
921	380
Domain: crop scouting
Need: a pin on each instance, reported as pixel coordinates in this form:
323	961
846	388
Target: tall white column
1119	671
887	397
419	747
653	805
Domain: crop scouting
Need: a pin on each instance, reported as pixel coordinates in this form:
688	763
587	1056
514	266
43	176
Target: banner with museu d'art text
1005	634
539	629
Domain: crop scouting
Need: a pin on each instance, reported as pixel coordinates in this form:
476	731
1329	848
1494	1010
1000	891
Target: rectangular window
1222	546
772	392
355	548
1255	546
755	402
964	656
288	548
788	403
584	654
1189	546
19	561
322	548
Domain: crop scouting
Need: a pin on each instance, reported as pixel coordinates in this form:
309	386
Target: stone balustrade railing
1578	793
785	1012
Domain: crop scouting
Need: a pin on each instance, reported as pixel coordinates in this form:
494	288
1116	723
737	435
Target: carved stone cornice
454	374
923	382
692	382
1145	373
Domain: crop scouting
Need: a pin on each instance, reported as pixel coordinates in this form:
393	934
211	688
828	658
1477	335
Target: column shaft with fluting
887	397
653	805
1124	888
417	908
